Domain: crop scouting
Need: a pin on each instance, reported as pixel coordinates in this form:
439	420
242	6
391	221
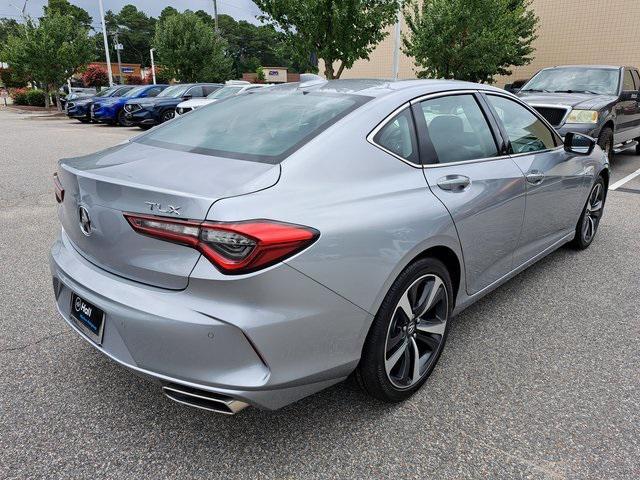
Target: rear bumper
267	340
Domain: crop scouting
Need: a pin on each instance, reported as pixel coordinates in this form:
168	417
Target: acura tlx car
263	248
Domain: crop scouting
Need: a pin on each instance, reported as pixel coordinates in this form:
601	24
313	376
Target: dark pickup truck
597	100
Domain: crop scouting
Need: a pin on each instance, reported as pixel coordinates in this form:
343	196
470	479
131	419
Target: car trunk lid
137	178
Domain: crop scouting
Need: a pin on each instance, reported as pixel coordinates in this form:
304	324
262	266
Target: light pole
153	66
106	43
396	44
215	15
118	48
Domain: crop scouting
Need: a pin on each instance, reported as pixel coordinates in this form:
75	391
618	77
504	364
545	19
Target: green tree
166	12
190	50
135	32
8	26
337	31
471	40
48	52
63	7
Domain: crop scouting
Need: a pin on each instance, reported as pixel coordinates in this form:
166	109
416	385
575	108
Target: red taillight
233	247
58	188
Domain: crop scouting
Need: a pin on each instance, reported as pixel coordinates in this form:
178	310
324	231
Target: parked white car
232	87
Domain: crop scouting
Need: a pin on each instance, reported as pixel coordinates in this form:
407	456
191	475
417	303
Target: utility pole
118	48
396	44
153	66
106	43
215	15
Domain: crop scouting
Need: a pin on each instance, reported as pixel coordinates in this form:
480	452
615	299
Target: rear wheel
605	142
408	333
122	119
591	215
168	115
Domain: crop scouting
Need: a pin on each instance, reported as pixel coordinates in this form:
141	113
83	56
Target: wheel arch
450	259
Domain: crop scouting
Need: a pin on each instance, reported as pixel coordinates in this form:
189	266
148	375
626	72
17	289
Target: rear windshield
263	126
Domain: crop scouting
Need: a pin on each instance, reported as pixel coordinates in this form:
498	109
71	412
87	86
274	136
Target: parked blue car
110	109
80	108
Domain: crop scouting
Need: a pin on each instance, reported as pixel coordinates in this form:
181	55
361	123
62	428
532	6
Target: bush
19	96
133	80
95	76
35	98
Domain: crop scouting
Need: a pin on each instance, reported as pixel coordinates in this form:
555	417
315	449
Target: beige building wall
569	32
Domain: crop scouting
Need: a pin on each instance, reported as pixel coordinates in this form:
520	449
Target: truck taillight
233	247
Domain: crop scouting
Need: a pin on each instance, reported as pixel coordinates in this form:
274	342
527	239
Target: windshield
106	92
174	91
121	91
134	91
224	92
259	127
575	80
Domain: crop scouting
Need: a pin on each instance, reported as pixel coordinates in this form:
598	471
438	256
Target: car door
482	188
555	179
627	110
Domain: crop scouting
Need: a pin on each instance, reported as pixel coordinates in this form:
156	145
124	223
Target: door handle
454	183
534	177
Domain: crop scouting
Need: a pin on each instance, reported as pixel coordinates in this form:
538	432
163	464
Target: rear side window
628	80
457	129
207	89
153	92
264	127
526	132
398	137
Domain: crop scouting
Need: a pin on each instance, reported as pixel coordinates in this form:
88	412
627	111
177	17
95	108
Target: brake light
58	188
233	247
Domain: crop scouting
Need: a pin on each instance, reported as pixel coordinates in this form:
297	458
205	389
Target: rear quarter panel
374	213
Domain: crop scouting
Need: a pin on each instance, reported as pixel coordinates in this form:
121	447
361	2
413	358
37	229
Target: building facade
569	32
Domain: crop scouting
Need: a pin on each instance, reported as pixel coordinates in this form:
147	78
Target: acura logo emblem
85	220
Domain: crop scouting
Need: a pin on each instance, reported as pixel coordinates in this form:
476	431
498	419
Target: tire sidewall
371	371
580	241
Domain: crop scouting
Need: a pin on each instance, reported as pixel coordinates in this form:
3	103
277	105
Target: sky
238	9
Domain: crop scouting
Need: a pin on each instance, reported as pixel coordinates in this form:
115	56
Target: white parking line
619	183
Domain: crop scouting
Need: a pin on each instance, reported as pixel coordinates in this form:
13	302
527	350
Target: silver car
269	245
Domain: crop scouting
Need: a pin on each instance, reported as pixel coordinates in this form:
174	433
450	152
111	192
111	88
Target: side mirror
629	95
188	96
578	143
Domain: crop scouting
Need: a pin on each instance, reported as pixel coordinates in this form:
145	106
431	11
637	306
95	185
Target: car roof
381	88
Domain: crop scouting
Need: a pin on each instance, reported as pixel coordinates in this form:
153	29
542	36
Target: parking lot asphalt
540	379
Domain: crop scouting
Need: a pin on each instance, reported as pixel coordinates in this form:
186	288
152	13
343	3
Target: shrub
95	76
35	98
19	96
133	80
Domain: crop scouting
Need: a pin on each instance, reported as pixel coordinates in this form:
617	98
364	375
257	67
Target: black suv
147	112
597	100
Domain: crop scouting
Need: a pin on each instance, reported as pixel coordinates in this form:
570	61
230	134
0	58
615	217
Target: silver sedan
271	244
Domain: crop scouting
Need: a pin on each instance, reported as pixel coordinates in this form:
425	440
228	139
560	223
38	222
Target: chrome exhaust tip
204	400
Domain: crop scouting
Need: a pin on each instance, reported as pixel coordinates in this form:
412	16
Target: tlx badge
170	209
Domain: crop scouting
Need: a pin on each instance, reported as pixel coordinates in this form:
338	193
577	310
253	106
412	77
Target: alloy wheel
416	331
593	212
168	115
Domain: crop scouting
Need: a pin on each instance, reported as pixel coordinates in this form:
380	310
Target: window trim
486	109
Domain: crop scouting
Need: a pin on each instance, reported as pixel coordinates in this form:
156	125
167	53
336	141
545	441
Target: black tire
592	211
84	120
371	373
167	115
122	119
145	127
605	142
637	146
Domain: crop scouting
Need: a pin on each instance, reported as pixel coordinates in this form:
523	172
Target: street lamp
106	43
153	66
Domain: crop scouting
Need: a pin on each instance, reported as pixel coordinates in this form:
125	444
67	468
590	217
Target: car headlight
583	116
